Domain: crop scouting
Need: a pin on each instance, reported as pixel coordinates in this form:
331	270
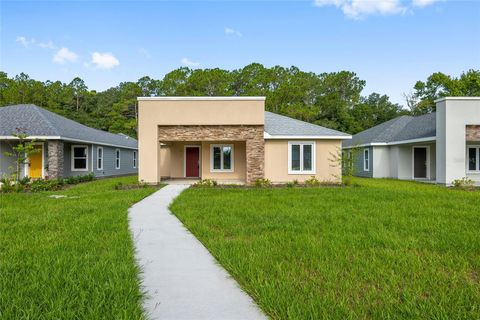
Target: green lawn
69	258
386	249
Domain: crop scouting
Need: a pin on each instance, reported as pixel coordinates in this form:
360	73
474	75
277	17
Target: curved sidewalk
180	277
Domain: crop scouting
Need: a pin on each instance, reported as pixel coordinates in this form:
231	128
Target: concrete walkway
182	280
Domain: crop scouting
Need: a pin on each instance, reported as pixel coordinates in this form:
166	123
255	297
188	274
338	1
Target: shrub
347	180
208	183
464	183
263	183
295	182
290	184
45	185
118	186
10	185
78	179
312	182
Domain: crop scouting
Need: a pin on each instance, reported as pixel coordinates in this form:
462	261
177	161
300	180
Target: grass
386	249
69	258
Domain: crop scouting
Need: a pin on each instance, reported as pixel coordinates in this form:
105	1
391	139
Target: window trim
366	164
100	158
135	159
119	159
232	158
72	157
314	157
477	153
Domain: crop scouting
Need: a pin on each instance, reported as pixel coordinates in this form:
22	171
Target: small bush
290	184
79	179
263	183
347	180
118	186
312	182
45	185
24	181
295	182
208	183
464	184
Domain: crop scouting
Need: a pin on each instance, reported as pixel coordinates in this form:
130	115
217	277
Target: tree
79	90
21	151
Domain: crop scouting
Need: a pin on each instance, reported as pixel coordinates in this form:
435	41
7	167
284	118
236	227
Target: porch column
255	149
55	159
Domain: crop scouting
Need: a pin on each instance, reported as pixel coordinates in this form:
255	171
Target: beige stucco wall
276	161
203	111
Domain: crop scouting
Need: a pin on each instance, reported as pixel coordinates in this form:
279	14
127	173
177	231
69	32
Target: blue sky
389	43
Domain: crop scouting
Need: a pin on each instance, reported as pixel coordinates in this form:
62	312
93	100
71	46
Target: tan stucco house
230	139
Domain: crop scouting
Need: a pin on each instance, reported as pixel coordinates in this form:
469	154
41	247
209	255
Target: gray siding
126	161
359	172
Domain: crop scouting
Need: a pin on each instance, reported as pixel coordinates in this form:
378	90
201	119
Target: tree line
331	99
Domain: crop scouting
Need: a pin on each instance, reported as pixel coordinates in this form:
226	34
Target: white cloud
24	41
230	31
104	60
189	63
423	3
65	55
357	9
47	45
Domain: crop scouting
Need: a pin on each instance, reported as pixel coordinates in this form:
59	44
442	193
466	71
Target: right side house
439	147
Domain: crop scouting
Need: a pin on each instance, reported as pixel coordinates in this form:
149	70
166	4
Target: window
221	158
134	159
117	158
79	158
301	157
99	158
366	160
473	158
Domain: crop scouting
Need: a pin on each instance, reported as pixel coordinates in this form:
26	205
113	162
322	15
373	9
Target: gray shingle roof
40	122
277	125
398	129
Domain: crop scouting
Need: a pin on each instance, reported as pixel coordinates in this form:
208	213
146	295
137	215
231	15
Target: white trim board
193	98
393	143
68	140
270	137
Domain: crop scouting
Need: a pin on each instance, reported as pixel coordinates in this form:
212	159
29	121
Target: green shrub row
38	185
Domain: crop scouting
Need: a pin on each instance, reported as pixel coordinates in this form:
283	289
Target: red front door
192	162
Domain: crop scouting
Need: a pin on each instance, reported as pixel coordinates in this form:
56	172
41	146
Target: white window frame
118	158
232	158
366	164
135	159
477	152
314	157
100	158
72	156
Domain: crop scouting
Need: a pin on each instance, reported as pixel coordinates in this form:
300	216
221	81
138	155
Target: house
231	139
65	147
438	147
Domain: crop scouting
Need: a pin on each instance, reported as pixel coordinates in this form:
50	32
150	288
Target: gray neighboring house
66	148
438	147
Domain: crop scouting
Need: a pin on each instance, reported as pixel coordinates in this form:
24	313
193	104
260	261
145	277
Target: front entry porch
186	162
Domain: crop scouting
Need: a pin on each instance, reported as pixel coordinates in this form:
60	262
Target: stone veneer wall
251	134
55	159
473	133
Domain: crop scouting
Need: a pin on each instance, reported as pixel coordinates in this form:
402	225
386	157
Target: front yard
385	249
69	258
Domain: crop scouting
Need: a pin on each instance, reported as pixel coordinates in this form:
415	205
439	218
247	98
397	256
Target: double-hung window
134	159
366	159
221	158
79	158
301	157
99	158
117	158
473	158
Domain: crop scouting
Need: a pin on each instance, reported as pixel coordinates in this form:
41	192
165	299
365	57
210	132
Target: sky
390	44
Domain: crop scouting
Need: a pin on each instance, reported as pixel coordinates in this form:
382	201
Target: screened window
366	160
117	159
473	158
301	157
99	158
134	159
79	158
221	158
